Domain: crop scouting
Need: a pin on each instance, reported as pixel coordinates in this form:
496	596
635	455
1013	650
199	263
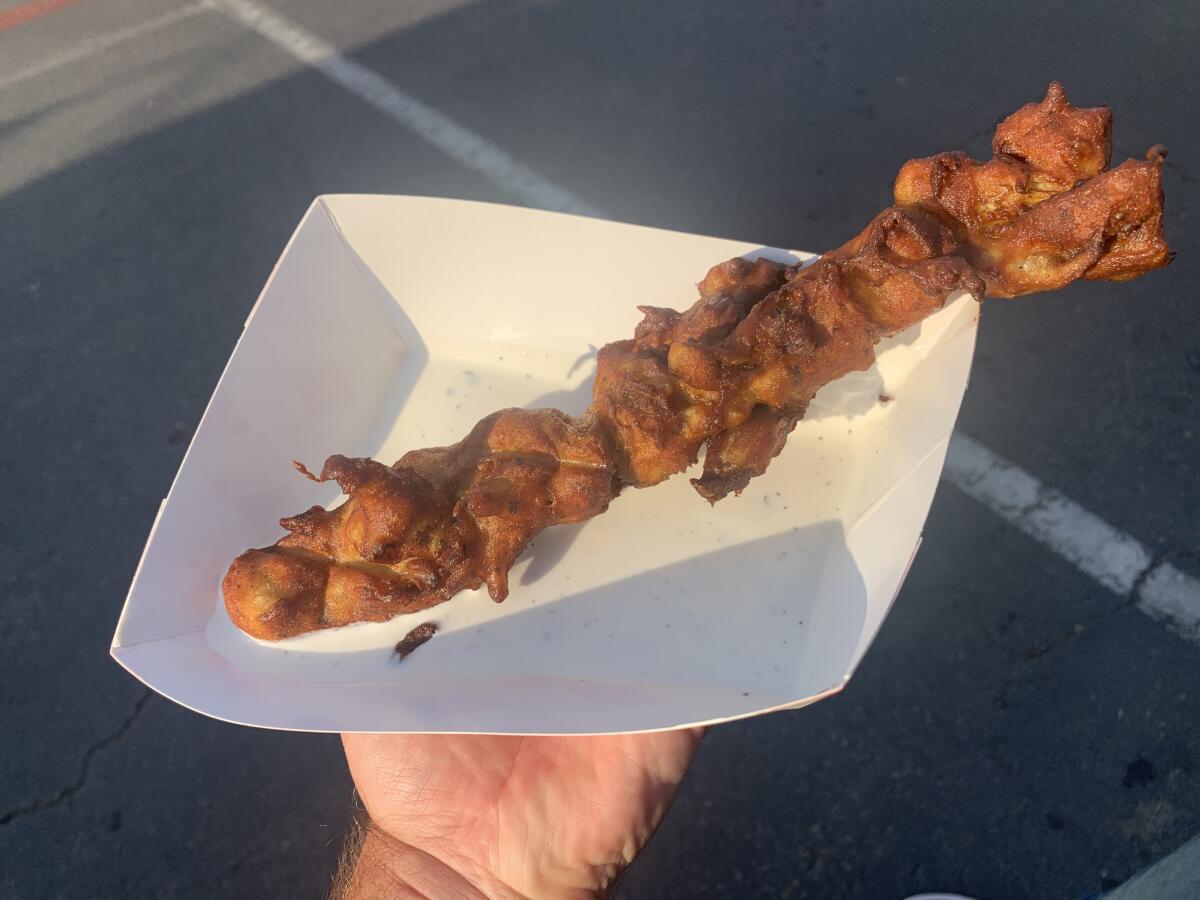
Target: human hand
508	817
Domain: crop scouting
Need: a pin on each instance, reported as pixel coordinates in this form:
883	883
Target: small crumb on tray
415	639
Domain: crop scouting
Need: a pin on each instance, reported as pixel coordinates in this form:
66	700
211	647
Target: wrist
389	868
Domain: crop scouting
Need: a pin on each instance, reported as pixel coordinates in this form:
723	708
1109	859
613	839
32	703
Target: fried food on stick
416	533
734	372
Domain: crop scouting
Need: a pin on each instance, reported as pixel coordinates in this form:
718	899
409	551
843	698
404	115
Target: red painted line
27	12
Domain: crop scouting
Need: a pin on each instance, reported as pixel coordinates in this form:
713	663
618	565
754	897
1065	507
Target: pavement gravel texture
1017	731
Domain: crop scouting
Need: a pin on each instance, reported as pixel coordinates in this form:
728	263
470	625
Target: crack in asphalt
995	638
85	764
1156	560
1077	629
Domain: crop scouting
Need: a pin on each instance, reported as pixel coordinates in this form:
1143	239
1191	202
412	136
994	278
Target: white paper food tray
397	322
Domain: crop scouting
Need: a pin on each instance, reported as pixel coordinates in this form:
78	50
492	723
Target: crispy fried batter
437	522
735	372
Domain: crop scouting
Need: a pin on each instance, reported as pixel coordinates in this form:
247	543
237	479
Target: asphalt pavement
1017	731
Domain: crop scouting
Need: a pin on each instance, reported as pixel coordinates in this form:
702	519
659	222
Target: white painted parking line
1174	598
456	141
93	45
1113	558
